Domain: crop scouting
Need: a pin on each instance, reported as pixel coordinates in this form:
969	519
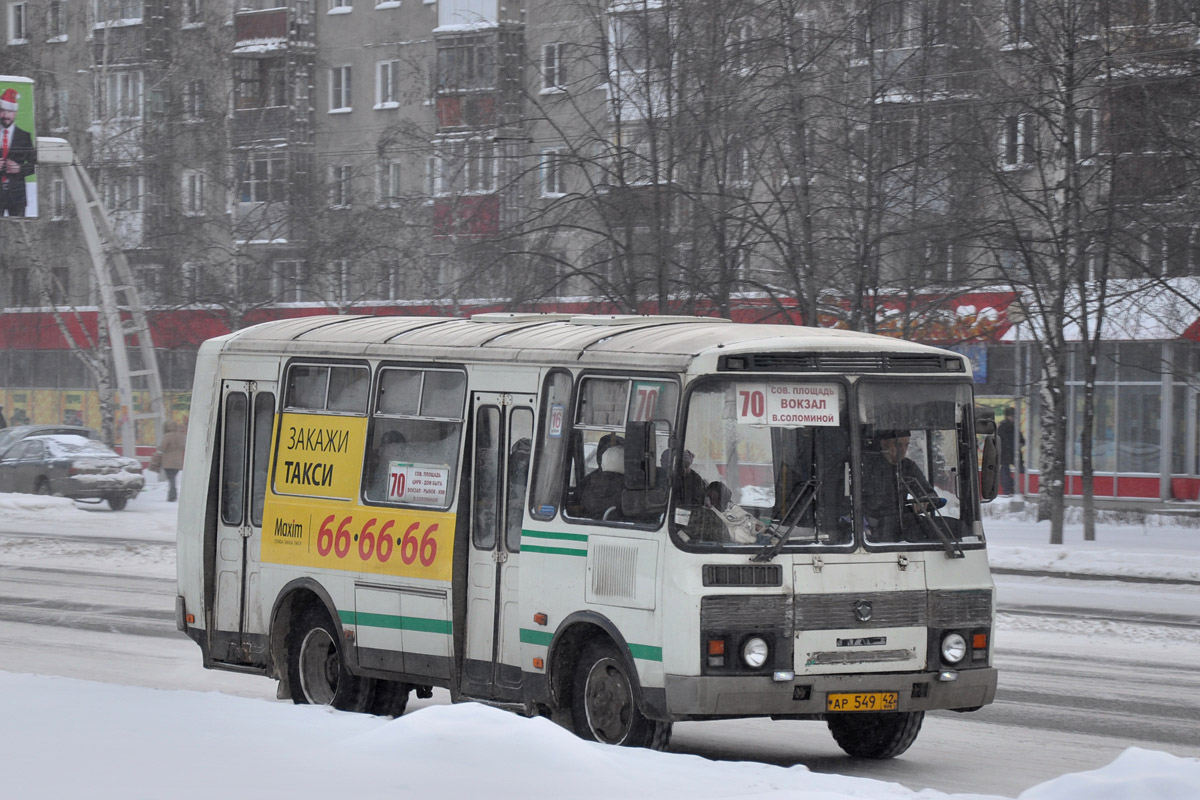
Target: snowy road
1087	668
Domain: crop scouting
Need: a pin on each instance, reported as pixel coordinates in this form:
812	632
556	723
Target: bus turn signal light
540	618
538	663
979	641
716	647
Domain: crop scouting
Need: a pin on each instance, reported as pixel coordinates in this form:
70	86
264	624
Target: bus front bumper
696	697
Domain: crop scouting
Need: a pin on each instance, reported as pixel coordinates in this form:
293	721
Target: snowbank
65	738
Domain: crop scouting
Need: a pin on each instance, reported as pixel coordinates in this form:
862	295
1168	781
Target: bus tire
389	699
603	706
875	734
317	671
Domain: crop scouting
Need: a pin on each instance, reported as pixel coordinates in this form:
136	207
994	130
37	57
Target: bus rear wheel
317	671
875	734
603	706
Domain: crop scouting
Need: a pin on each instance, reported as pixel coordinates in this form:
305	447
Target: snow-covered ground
67	738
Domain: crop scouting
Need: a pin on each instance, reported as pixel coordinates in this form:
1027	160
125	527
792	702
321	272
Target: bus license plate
862	701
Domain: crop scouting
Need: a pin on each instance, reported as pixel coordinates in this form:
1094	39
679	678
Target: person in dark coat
1009	453
895	491
17	157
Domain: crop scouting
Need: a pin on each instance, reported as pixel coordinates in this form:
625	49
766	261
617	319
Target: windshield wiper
926	507
804	499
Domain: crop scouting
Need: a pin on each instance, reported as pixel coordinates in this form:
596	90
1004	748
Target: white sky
66	738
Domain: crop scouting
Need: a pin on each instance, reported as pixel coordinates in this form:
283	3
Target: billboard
18	140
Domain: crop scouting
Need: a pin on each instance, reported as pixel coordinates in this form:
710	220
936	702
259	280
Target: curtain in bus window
233	459
485	482
520	437
552	446
264	417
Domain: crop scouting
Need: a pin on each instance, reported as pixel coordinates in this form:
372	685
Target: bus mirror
985	420
989	474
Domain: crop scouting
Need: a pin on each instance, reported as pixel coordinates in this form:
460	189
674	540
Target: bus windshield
763	460
917	463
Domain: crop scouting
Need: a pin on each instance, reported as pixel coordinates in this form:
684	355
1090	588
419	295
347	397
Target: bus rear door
503	433
247	420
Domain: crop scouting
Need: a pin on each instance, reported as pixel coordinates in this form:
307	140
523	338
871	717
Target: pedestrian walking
169	457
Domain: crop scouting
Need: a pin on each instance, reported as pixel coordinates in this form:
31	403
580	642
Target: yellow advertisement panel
384	541
320	456
307	523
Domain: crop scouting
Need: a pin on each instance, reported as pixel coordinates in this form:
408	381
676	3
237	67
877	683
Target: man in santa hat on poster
17	156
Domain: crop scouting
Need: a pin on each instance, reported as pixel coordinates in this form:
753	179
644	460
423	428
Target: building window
1018	141
58	199
553	181
738	45
263	179
288	281
56	21
1021	21
1085	134
639	41
117	12
259	83
18	287
463	166
18	29
193	100
386	73
119	95
339	89
339	186
389	183
193	12
123	191
193	193
341	6
554	73
339	279
465	63
59	107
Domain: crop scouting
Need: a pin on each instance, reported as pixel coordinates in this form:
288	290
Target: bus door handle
245	531
499	556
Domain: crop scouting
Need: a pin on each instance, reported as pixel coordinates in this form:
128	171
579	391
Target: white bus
618	521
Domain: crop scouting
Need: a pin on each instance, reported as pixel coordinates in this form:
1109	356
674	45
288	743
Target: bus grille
941	609
741	611
743	575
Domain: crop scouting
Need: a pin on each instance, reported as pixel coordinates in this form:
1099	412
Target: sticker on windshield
788	405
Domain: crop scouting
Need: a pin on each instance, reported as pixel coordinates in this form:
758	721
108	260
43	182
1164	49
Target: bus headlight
755	652
954	648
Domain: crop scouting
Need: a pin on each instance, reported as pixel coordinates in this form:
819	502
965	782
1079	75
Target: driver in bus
896	494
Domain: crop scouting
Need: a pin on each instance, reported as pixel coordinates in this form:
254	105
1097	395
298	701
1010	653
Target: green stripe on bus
554	551
570	537
396	622
646	652
536	637
543	638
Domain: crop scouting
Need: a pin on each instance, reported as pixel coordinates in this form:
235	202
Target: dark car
70	466
10	436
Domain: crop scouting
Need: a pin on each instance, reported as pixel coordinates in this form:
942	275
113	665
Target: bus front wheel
875	734
603	706
317	670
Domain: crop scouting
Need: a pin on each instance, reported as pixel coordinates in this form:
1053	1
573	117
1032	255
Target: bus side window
552	438
307	385
348	389
415	434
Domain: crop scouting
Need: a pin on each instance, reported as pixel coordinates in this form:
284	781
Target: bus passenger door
503	433
247	421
